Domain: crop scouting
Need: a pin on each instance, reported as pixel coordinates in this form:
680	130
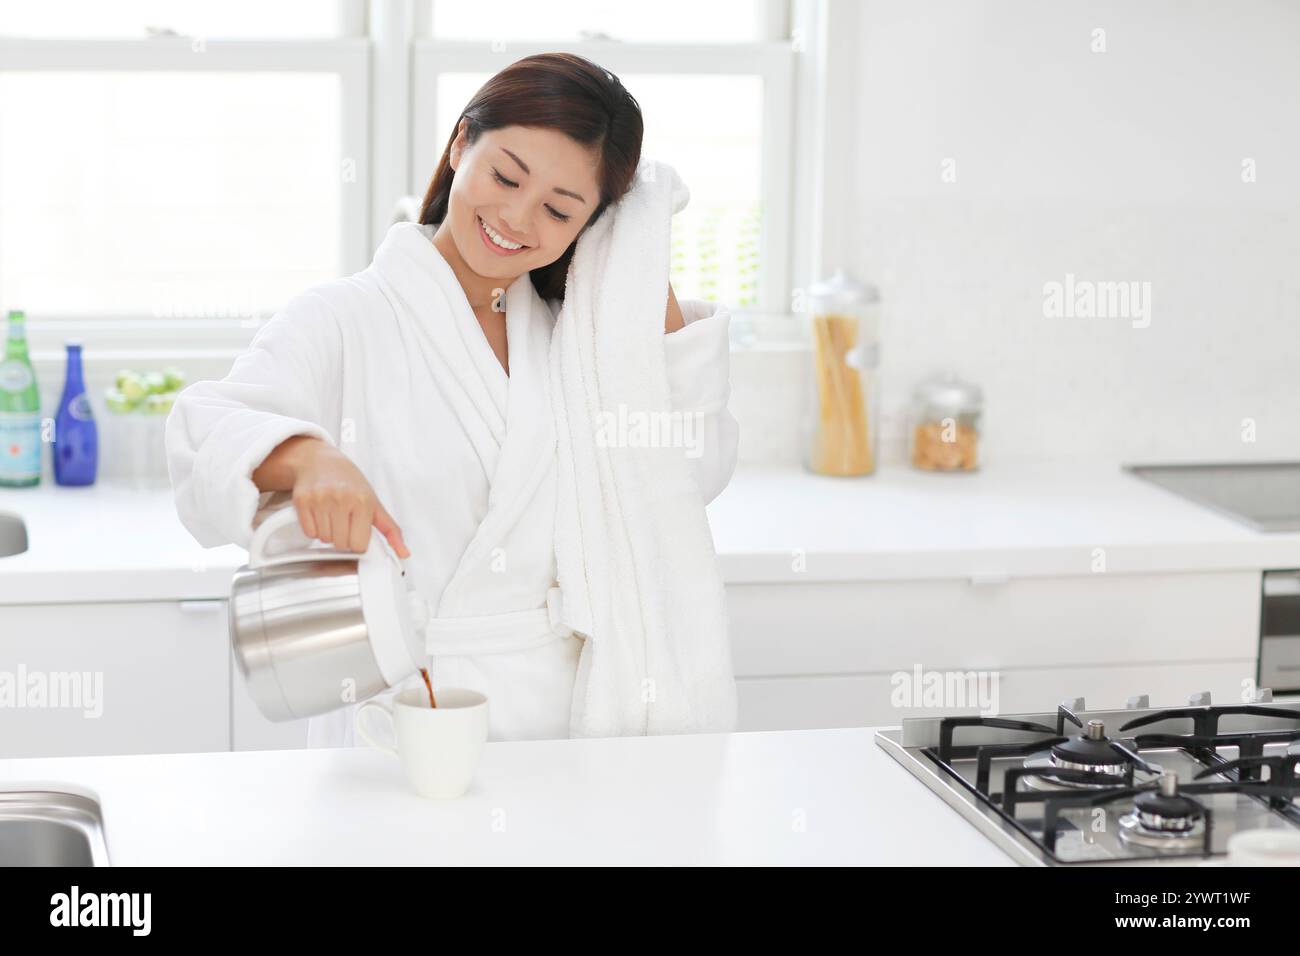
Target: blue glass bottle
76	440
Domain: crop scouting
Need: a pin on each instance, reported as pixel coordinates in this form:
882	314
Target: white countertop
824	797
1014	520
107	542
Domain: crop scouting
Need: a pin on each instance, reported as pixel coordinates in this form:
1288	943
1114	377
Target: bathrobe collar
508	420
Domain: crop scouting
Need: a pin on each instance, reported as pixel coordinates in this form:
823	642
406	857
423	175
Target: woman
412	397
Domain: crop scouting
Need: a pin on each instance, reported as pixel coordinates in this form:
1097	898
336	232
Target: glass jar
945	424
840	433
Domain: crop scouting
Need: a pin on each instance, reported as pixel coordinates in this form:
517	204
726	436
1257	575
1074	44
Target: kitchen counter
815	797
785	524
108	542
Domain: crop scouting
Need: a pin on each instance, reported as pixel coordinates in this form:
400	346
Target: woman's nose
516	222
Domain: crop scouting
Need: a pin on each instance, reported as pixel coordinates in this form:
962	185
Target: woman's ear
458	144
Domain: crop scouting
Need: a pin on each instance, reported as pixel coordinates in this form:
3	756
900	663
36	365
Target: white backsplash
962	286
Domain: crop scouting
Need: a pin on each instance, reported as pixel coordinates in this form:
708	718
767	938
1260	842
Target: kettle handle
274	523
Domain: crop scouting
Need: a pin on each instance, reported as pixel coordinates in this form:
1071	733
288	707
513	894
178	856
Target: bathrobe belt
497	633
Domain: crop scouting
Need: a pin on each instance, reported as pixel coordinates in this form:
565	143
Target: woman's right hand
334	501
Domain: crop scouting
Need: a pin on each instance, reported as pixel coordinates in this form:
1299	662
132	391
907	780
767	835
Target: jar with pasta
840	420
945	424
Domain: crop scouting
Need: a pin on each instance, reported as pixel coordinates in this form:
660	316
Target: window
167	194
178	161
714	84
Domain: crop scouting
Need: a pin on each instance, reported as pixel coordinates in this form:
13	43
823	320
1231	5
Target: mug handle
359	721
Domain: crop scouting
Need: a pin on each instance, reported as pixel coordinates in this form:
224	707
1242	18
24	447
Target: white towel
635	557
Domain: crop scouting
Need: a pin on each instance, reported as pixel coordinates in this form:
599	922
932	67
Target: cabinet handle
202	606
1281	583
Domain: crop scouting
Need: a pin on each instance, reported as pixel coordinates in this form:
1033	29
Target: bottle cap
946	392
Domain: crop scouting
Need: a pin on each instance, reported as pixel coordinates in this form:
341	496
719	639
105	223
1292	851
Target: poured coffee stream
425	674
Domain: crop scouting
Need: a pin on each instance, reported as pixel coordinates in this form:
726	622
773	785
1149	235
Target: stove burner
1163	818
1091	753
1038	792
1043	760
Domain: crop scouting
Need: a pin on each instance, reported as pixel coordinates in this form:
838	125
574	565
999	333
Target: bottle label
15	376
79	408
20	446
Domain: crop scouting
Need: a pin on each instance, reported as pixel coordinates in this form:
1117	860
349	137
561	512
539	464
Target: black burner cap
1086	750
1175	807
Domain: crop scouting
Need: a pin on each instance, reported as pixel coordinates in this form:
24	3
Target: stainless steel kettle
318	628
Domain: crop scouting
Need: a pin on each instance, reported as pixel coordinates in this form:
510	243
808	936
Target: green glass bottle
20	411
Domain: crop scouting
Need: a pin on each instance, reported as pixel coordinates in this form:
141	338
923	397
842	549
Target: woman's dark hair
563	92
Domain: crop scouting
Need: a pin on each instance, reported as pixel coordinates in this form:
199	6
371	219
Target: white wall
1122	165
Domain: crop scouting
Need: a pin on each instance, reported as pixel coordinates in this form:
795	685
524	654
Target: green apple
159	404
117	402
175	378
132	386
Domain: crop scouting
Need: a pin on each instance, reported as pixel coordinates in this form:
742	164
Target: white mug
439	747
1264	848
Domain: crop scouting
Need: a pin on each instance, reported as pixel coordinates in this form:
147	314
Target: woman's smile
496	242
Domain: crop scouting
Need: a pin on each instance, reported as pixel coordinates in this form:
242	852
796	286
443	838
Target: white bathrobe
461	455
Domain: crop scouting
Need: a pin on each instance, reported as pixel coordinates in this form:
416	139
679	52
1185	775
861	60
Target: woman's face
532	189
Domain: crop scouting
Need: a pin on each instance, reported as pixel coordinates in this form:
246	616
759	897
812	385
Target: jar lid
842	291
950	392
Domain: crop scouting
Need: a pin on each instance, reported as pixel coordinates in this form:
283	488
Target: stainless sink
13	535
50	828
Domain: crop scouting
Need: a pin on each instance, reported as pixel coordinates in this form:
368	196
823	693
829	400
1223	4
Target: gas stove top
1140	786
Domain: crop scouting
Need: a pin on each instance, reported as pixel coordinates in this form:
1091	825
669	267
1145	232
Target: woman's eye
556	215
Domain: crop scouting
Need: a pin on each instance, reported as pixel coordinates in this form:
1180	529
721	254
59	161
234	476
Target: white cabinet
807	655
113	678
124	678
816	654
